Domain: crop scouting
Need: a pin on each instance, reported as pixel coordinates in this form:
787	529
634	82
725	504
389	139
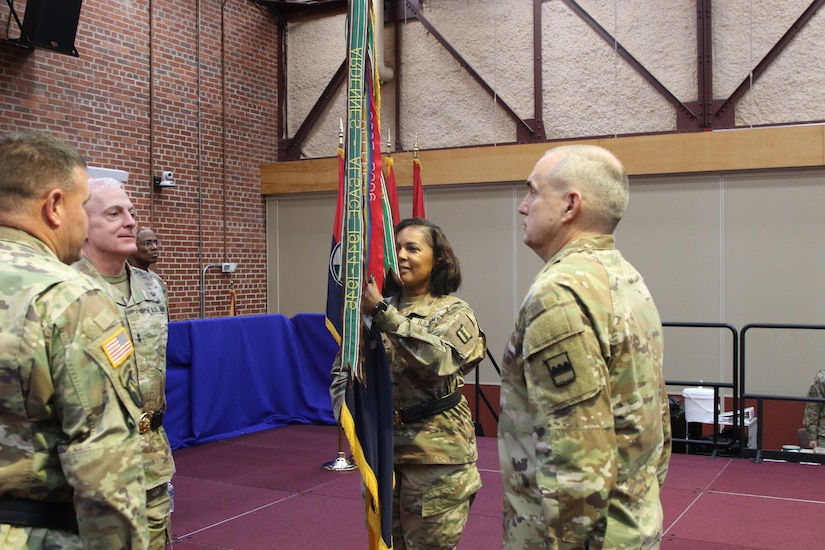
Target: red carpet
269	491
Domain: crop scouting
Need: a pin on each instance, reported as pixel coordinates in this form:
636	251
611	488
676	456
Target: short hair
600	174
33	164
111	183
446	274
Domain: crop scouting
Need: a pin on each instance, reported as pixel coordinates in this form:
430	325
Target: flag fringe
372	502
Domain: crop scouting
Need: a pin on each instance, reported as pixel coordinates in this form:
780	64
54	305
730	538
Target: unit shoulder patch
561	369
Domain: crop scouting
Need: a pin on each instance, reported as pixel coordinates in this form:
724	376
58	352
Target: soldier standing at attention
584	433
141	298
71	472
147	249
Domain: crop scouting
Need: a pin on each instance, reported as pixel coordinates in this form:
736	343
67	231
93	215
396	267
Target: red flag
375	254
392	191
418	191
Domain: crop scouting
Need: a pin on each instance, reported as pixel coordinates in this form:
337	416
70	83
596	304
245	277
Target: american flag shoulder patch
118	348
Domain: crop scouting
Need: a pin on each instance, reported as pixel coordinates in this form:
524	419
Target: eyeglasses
147	244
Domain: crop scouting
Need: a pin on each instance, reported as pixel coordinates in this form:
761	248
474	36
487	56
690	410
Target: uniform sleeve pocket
115	360
558	363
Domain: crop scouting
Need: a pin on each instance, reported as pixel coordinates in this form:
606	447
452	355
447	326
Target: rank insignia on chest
561	370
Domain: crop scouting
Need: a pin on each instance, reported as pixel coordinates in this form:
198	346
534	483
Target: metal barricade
759	453
715	442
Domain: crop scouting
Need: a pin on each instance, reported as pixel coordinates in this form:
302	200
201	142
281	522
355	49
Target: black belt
150	422
423	410
36	513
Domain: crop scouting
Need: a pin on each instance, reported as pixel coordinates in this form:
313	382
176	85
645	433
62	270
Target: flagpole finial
415	147
341	132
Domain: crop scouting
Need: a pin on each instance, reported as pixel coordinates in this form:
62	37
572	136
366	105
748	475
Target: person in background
71	472
147	249
432	341
814	419
584	433
142	300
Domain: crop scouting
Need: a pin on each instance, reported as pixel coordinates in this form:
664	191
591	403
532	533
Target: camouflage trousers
160	519
36	538
431	503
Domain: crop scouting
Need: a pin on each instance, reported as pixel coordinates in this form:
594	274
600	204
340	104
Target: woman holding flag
432	340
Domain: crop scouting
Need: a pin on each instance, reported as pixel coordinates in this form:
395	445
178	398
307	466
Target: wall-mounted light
166	179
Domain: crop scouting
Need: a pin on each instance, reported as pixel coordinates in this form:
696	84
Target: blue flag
335	288
367	419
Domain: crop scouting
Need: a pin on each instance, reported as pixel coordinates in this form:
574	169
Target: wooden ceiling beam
679	153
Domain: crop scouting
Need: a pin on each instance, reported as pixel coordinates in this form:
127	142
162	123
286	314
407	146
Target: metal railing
738	398
759	453
734	385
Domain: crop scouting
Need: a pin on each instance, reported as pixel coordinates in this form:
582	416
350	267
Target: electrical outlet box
228	267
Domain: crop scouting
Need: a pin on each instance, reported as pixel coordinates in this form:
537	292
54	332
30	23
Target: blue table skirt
234	375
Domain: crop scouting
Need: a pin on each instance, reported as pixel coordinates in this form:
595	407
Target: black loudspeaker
52	24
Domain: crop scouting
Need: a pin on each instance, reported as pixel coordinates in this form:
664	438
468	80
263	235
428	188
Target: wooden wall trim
717	151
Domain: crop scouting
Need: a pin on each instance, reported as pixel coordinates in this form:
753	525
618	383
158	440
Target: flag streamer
365	244
356	155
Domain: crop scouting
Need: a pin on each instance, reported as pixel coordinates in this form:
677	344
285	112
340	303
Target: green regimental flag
353	238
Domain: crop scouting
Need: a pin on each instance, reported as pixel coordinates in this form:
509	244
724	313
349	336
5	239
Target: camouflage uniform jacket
147	317
584	433
431	343
68	399
815	412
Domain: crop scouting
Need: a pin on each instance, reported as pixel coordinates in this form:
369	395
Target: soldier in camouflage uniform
432	340
147	249
142	300
584	433
814	420
71	472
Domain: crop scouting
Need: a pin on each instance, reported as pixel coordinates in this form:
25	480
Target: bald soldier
71	473
584	434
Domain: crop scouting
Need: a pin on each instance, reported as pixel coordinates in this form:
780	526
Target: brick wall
147	72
